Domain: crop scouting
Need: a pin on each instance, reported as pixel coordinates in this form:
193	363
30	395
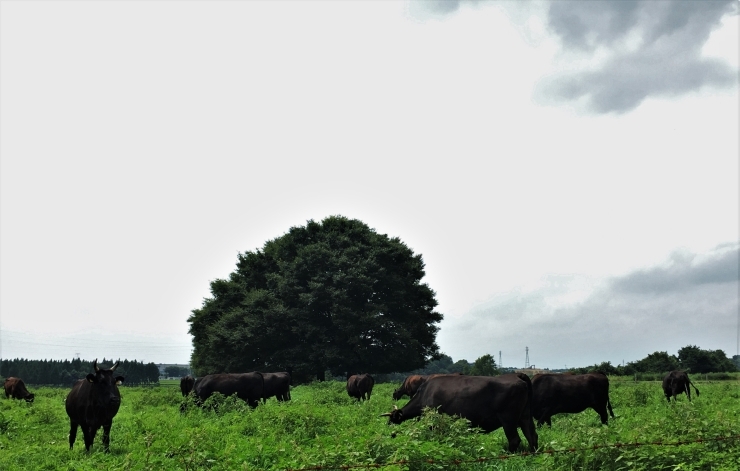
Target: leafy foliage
333	295
690	358
484	366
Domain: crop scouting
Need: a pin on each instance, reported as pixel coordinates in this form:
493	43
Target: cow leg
688	391
106	437
601	410
88	431
545	418
72	433
528	428
513	436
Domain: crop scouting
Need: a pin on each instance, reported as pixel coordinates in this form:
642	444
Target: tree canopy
332	295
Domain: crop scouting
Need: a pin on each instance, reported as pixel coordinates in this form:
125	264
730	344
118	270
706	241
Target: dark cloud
665	59
683	272
652	48
689	300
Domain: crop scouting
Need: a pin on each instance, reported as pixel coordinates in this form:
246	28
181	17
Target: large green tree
332	295
697	360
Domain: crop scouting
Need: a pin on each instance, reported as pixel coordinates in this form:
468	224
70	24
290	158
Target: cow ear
119	379
90	378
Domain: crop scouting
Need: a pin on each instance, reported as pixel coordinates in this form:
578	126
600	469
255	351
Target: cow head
105	385
29	397
398	393
395	416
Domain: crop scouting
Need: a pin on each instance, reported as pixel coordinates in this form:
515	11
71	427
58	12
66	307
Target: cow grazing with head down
247	386
16	388
558	394
276	384
186	384
92	403
410	385
360	386
488	402
677	382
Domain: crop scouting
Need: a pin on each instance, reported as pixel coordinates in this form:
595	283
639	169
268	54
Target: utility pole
499	359
526	359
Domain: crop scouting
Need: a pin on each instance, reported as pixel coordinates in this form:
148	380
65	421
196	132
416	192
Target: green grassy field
322	426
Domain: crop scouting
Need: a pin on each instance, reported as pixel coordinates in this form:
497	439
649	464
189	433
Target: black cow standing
360	386
92	403
677	382
276	384
488	402
565	393
186	384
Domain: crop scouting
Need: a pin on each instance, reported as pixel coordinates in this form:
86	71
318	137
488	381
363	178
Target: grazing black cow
558	393
677	382
360	386
247	386
16	388
92	403
488	402
186	384
276	384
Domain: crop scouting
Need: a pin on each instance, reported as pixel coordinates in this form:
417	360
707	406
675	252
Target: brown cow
16	388
677	382
557	394
412	384
409	386
360	386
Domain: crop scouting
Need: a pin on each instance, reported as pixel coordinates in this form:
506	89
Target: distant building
531	371
184	370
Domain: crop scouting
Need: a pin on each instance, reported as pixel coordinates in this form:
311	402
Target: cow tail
695	390
609	404
526	379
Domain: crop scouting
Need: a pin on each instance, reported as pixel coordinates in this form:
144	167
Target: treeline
691	359
483	366
66	372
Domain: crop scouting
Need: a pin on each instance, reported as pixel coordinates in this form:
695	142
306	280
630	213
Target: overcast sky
568	170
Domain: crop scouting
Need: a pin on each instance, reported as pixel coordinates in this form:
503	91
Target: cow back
247	386
568	393
276	384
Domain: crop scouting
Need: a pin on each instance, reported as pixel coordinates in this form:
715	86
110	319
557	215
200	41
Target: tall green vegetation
323	426
331	295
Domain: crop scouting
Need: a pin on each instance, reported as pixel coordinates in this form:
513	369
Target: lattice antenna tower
526	359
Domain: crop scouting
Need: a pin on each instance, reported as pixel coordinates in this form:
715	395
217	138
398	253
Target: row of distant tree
690	358
66	372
